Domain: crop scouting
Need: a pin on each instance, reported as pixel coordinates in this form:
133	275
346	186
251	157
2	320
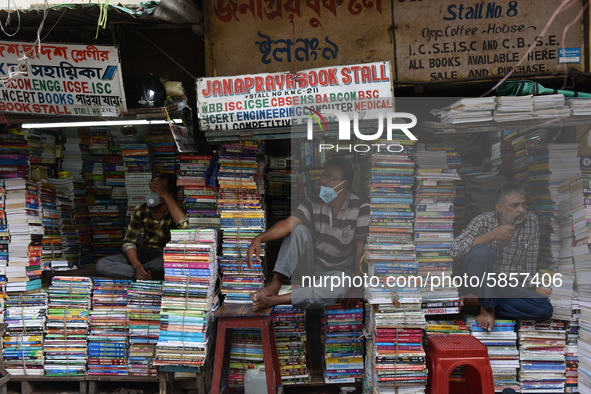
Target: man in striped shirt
146	261
324	240
504	243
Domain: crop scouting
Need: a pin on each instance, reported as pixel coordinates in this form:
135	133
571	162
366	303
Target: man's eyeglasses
329	178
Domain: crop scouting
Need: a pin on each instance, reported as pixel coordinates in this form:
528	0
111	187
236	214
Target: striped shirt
519	256
156	232
335	238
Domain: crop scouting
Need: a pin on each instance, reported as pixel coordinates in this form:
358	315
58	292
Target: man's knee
301	230
543	309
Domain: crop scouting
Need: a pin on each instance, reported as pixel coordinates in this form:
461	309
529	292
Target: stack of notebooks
67	220
242	218
188	298
434	231
143	313
138	173
501	342
467	110
67	326
199	196
542	356
25	316
390	248
396	357
52	239
290	335
22	209
109	328
513	108
342	334
579	106
550	106
13	156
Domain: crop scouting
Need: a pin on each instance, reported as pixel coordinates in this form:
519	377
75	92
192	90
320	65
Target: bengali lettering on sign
291	35
446	41
60	79
279	99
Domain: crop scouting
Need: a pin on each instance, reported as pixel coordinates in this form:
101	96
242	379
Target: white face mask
327	194
153	199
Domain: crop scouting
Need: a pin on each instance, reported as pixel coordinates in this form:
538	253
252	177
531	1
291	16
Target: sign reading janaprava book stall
60	79
280	99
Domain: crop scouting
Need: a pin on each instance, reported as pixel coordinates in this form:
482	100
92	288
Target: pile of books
161	142
242	218
138	173
434	231
199	197
25	317
390	247
52	240
67	220
447	327
14	151
67	326
82	219
143	312
246	351
542	356
114	170
396	358
501	343
109	328
289	325
107	221
75	152
513	108
188	298
342	335
551	106
467	110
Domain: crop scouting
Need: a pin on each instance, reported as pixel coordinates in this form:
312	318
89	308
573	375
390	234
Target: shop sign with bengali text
60	79
282	99
453	40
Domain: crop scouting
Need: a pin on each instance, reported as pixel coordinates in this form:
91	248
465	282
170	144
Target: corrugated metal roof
73	15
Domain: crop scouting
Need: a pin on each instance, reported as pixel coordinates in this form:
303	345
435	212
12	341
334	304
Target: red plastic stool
241	316
446	352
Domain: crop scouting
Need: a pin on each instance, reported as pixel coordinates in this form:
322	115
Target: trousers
119	266
296	261
509	302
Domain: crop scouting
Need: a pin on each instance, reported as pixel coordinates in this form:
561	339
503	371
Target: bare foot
469	300
263	301
486	318
265	291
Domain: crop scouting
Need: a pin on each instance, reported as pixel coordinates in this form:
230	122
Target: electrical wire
8	21
563	38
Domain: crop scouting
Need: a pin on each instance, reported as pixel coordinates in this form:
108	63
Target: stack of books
572	353
401	365
542	356
98	140
109	328
246	351
520	158
161	142
107	221
82	219
25	317
513	108
579	106
35	147
242	218
137	160
467	110
14	151
67	326
447	327
114	170
143	313
434	231
22	209
199	196
390	248
4	241
75	153
501	342
342	336
67	220
481	192
551	106
289	325
188	298
52	239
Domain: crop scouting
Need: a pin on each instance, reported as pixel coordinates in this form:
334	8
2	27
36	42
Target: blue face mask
327	194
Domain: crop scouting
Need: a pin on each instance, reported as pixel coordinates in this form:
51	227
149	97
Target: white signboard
274	100
60	79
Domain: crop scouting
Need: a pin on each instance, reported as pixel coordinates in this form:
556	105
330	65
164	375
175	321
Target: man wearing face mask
324	237
506	241
156	217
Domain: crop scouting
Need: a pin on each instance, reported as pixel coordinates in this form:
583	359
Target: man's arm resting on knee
131	255
279	230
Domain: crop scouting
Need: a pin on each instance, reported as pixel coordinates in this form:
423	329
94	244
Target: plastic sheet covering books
25	316
290	334
390	248
395	351
67	326
143	313
342	334
542	357
242	218
109	328
188	298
